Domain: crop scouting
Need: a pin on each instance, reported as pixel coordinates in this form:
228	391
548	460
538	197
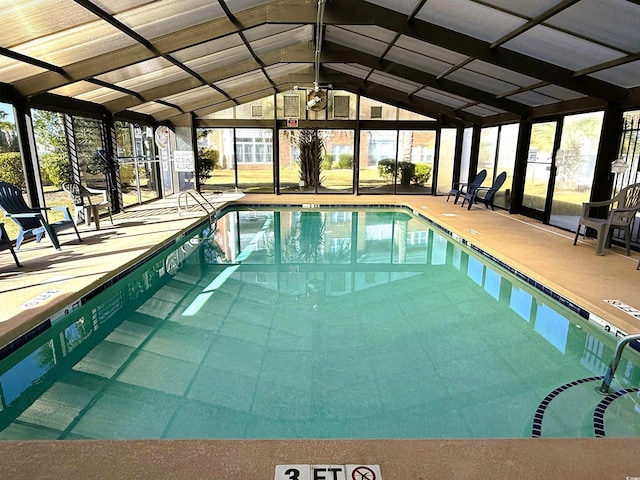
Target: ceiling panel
417	61
441	97
560	93
76	44
221	59
13	70
561	48
89	92
495	71
166	16
356	41
394	82
194	94
594	19
24	21
372	31
525	8
118	6
402	6
283	39
532	98
627	75
152	108
203	49
481	110
470	18
135	71
238	5
154	79
479	81
241	82
434	51
354	70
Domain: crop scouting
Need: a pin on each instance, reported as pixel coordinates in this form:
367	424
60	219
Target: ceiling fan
316	99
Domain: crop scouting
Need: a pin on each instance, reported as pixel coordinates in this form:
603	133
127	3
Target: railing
617	354
202	202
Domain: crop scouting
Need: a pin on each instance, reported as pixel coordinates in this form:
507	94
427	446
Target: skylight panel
532	99
355	41
391	81
417	61
560	48
168	16
611	22
627	75
441	97
470	18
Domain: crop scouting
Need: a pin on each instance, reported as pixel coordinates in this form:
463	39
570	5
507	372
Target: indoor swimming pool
319	323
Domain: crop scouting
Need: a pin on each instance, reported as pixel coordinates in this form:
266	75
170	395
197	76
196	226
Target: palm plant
311	147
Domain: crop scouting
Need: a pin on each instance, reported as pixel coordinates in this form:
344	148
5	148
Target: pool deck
51	281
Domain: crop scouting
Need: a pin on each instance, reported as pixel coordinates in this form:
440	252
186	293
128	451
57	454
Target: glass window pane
255	159
217	145
337	161
445	160
575	164
378	162
507	146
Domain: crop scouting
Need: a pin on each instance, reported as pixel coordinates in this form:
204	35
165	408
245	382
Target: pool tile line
536	429
598	415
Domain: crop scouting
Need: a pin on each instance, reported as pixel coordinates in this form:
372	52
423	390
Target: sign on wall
184	161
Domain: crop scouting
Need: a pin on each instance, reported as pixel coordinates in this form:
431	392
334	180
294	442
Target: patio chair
622	209
6	244
485	194
89	208
32	220
462	188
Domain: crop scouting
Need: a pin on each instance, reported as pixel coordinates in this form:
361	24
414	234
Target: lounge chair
485	194
89	208
622	209
462	188
32	221
5	244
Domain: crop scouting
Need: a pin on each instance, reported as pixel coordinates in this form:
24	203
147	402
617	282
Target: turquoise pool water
318	323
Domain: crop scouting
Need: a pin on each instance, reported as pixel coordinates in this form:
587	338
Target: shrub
327	161
387	169
407	170
11	169
345	160
206	163
56	169
422	173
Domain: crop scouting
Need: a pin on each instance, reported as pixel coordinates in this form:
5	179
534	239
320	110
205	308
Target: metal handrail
201	201
617	355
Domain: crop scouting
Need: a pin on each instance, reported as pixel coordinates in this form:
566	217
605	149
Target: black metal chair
6	244
32	221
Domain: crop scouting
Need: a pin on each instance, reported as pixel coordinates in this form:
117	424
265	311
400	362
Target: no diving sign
328	472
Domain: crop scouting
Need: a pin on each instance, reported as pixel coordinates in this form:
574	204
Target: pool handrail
617	355
201	201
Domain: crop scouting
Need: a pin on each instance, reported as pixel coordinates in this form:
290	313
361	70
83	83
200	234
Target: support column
607	152
26	137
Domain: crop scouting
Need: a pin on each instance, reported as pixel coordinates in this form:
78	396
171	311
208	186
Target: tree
8	136
311	147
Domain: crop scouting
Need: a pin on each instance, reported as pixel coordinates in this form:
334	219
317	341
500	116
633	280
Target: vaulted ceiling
479	61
